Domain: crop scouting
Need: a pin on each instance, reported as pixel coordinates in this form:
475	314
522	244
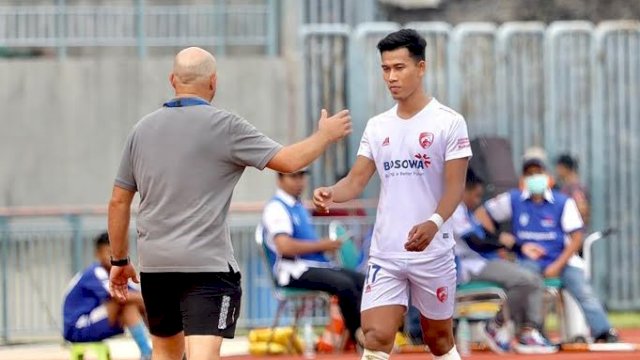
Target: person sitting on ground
89	312
297	255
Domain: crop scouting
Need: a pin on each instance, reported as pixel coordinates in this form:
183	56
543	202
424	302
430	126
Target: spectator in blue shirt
476	253
549	223
89	312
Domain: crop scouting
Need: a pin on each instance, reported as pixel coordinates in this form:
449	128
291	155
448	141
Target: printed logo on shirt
421	161
386	141
445	235
442	294
547	222
463	143
367	289
425	139
524	219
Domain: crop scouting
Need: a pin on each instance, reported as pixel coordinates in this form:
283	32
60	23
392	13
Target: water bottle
463	337
309	341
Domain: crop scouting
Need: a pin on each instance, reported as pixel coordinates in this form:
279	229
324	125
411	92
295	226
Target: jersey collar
288	199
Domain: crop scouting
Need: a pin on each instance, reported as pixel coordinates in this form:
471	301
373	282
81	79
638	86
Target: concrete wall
63	124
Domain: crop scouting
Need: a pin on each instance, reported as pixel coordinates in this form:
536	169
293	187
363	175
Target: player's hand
553	270
507	239
420	236
322	198
533	251
335	127
119	281
330	245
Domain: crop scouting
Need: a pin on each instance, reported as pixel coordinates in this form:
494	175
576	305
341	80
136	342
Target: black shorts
196	303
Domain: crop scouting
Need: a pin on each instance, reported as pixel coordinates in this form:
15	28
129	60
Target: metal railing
568	87
221	25
41	251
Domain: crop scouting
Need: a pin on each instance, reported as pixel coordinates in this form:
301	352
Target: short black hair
473	180
568	161
405	38
102	240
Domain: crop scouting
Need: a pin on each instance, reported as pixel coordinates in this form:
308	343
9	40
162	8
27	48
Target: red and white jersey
410	155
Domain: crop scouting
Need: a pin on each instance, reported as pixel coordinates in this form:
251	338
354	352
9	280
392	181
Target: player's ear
422	66
172	80
213	82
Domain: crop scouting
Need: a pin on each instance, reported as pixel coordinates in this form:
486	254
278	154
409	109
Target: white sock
374	355
451	355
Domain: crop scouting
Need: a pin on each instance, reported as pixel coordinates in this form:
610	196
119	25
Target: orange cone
334	332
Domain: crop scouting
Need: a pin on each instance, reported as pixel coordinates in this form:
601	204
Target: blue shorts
92	327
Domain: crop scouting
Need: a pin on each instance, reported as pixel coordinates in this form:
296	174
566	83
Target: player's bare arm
347	188
483	217
555	268
454	179
288	246
119	215
299	155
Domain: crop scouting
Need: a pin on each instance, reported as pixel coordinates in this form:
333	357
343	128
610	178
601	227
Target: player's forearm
295	157
293	247
454	180
450	200
571	248
483	217
346	189
119	213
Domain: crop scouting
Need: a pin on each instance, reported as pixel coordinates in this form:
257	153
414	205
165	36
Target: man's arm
347	188
555	268
288	246
485	220
572	224
454	180
299	155
495	210
119	217
455	172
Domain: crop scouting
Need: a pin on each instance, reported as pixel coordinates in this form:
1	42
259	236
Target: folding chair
305	299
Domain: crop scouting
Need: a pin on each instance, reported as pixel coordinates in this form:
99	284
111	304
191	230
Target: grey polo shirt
185	163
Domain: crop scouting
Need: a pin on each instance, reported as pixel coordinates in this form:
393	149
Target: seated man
296	254
549	225
477	260
89	312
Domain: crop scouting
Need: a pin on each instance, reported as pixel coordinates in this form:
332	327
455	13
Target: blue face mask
537	184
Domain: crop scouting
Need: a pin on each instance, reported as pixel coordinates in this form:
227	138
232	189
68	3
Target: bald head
194	71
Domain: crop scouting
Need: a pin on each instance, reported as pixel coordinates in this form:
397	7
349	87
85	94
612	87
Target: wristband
436	219
120	262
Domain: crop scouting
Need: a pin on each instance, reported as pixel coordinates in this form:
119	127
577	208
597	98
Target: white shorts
432	284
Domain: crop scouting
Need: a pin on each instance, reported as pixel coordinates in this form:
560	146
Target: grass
619	320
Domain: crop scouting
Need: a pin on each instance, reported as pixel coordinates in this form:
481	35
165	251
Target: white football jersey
410	155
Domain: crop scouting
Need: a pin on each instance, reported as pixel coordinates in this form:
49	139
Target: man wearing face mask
550	224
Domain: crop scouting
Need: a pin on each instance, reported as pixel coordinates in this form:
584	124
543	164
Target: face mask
537	184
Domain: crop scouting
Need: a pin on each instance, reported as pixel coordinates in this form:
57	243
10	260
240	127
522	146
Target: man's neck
189	95
537	198
412	105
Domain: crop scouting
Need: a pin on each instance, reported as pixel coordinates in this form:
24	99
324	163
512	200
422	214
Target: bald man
185	160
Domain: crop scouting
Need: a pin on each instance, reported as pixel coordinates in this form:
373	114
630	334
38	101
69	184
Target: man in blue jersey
296	254
549	222
89	312
478	259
